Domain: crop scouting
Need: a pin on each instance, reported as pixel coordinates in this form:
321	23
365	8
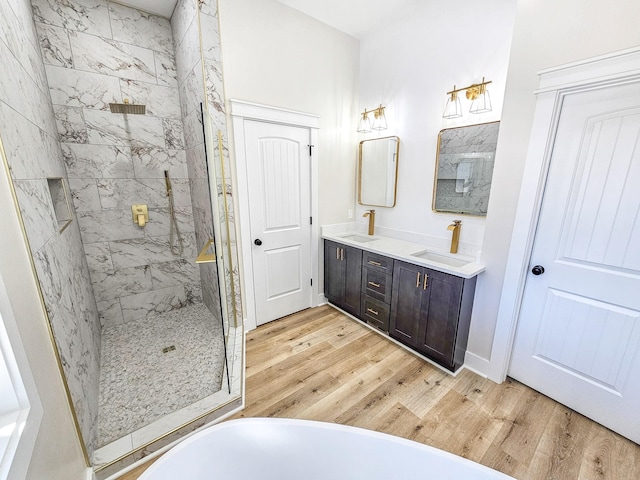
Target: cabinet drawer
377	262
377	284
375	313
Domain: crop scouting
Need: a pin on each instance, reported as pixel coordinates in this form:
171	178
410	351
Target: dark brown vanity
426	310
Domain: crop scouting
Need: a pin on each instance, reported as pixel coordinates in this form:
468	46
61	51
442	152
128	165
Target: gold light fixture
453	109
477	93
379	120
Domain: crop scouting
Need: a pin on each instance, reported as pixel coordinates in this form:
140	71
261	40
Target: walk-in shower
140	307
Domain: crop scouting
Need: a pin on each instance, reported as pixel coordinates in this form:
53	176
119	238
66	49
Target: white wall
408	66
275	55
547	33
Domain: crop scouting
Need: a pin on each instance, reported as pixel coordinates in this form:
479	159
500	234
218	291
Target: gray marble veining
55	45
166	68
148	250
155	302
140	28
106	128
72	127
121	193
160	100
80	15
107	225
84	194
97	161
121	281
75	88
98	257
110	57
149	162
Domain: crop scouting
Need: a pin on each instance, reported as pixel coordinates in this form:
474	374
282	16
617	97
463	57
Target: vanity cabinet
431	312
426	310
342	276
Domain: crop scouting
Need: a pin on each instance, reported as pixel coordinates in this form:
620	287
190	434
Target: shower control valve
140	214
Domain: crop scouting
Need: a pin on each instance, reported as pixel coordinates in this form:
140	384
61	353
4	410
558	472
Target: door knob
257	241
537	270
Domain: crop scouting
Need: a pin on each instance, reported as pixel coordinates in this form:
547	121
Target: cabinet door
406	303
439	317
334	272
352	260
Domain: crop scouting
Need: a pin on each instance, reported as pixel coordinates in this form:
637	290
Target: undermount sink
358	238
443	259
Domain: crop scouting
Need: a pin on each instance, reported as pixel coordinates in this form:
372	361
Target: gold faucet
372	219
455	238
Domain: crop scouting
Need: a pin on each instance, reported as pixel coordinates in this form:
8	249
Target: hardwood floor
321	365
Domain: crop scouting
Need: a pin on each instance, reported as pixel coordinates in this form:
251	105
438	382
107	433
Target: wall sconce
379	120
477	93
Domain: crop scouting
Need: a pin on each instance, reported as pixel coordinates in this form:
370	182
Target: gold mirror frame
464	168
381	170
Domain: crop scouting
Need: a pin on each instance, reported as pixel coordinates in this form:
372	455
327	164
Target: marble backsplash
96	52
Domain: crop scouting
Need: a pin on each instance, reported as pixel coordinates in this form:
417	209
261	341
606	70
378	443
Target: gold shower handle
140	214
203	256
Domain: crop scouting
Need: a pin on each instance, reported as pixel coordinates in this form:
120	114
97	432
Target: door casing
612	69
241	111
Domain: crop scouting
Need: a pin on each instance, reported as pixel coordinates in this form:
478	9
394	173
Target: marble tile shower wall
30	138
96	52
216	106
185	27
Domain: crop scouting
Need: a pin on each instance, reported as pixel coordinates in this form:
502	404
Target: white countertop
443	261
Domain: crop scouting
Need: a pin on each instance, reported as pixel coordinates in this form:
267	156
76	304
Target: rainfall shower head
127	107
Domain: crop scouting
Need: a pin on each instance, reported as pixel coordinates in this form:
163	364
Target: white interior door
278	177
578	334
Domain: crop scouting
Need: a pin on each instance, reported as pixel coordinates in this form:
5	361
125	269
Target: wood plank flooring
321	365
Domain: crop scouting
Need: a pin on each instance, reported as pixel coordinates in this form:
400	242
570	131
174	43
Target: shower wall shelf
203	256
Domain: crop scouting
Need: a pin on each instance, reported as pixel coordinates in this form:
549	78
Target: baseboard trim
476	364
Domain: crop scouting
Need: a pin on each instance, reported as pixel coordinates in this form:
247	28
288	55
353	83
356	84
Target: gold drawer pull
377	285
371	262
337	253
418	280
424	285
371	310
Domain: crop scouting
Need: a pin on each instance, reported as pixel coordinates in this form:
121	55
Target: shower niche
144	306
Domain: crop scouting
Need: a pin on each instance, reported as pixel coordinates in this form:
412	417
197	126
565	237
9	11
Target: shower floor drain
168	349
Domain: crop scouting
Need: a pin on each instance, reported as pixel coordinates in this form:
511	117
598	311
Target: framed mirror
378	171
464	167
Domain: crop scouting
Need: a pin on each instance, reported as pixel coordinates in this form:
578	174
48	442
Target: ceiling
355	17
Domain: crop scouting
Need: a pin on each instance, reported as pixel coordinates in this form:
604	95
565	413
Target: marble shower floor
139	383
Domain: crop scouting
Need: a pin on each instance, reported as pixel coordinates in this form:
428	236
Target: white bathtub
283	449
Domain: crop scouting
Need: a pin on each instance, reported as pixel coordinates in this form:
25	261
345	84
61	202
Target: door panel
406	303
278	179
282	266
578	345
437	337
353	278
578	335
